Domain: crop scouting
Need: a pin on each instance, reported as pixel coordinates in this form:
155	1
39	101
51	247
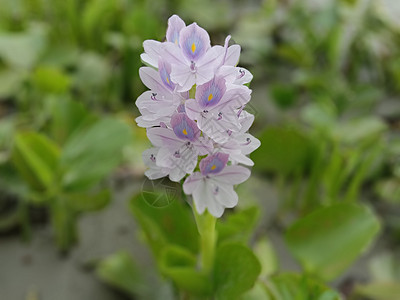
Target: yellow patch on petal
213	167
210	97
166	77
193	47
184	131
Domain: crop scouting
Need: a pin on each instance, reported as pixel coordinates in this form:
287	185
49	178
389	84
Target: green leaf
64	222
22	50
88	201
282	150
328	240
388	290
294	286
67	117
356	131
93	71
170	224
179	264
51	80
284	95
239	225
92	153
258	292
236	270
36	159
119	270
265	253
11	81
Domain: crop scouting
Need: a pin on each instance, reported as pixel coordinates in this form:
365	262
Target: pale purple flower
194	60
212	187
215	107
213	124
179	146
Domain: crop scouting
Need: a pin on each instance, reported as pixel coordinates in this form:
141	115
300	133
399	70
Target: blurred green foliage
326	99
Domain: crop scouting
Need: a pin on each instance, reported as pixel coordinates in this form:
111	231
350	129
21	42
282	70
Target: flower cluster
195	110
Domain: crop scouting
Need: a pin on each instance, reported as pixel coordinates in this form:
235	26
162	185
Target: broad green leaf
88	201
179	264
328	240
175	256
11	81
36	159
388	290
64	222
143	24
265	253
93	71
92	153
22	50
283	150
258	292
294	286
51	80
360	130
67	117
168	224
320	114
235	271
238	225
284	95
119	270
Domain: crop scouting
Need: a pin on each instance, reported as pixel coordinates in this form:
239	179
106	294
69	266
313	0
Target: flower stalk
208	237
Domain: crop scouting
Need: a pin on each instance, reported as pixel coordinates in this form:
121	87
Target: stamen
216	190
152	158
248	141
192	66
153	96
177	154
242	72
240	111
219	116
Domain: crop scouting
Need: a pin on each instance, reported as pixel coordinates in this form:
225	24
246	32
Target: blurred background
326	95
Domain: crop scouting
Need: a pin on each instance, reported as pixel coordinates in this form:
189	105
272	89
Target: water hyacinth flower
195	117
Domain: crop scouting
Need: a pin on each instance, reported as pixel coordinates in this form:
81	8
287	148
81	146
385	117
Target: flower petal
210	93
213	164
232	56
163	137
153	50
184	128
183	76
175	25
225	195
192	182
192	109
194	42
151	78
232	175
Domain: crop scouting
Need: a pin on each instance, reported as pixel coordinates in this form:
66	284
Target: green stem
208	237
